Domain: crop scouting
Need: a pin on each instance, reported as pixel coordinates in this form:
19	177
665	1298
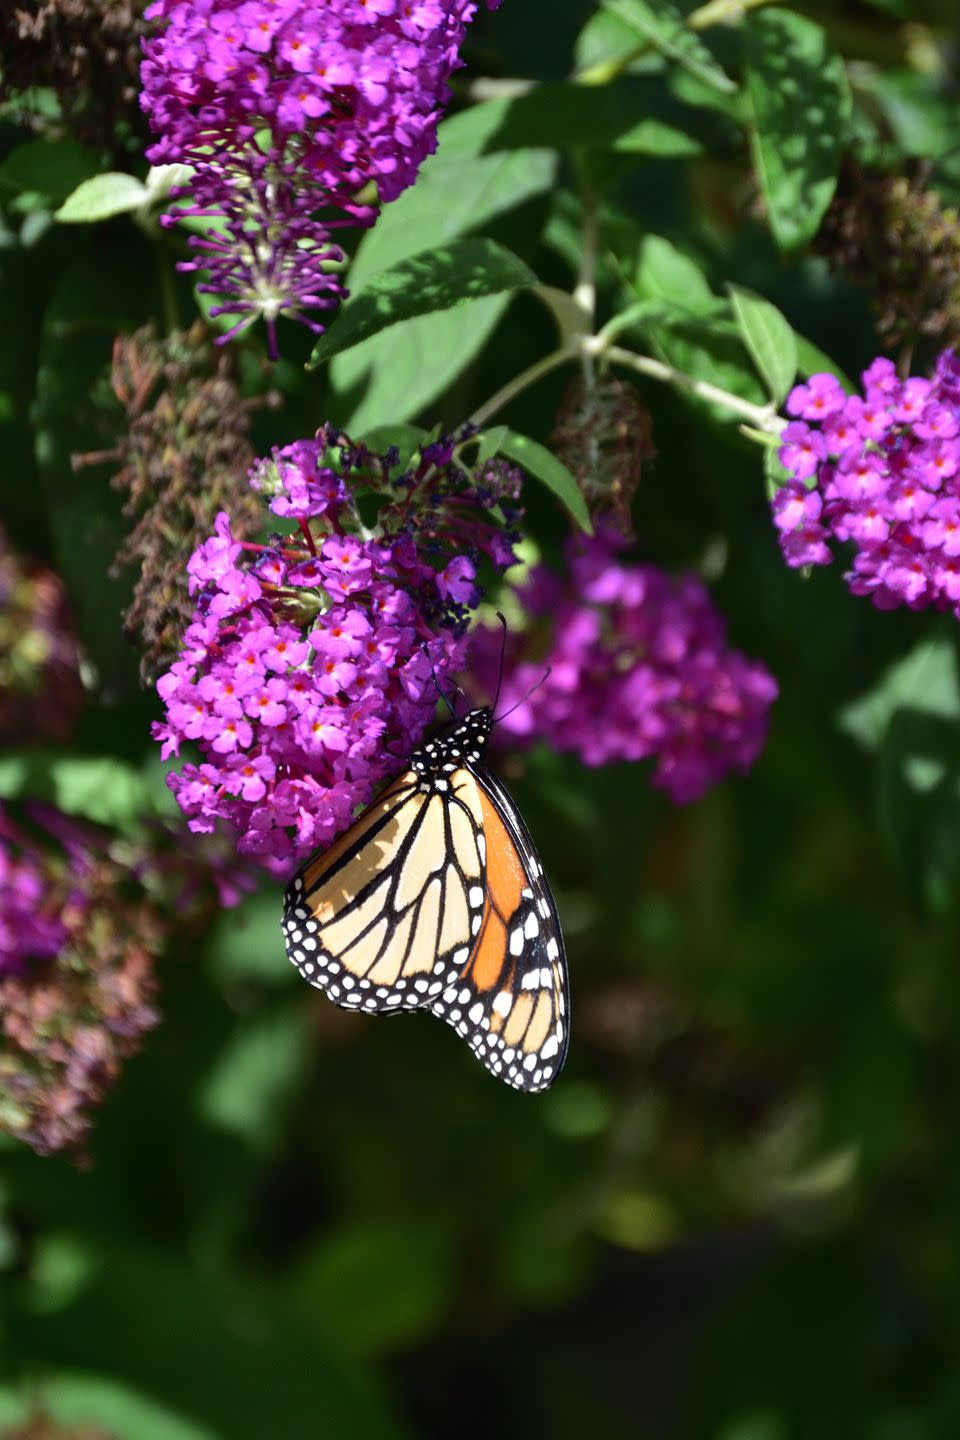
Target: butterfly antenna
503	650
524	698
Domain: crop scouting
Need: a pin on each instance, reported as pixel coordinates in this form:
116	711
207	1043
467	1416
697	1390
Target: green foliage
800	103
462	271
734	1217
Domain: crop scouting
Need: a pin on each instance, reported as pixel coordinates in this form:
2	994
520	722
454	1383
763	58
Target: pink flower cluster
287	110
639	668
311	668
360	83
880	471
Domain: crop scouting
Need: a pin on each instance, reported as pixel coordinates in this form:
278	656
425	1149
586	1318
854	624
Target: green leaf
801	106
454	194
911	719
664	27
102	789
664	272
446	278
925	679
85	1399
403	370
655	137
769	338
537	460
113	193
375	1285
247	945
53	168
254	1075
490	442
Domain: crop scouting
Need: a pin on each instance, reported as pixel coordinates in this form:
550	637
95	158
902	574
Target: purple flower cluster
287	110
359	83
882	471
30	929
639	668
311	668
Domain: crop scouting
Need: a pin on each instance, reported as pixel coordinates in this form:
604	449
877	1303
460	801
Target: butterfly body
435	899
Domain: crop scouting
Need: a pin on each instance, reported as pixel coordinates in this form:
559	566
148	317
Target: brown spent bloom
893	234
67	1024
40	688
603	435
88	51
185	456
41	1426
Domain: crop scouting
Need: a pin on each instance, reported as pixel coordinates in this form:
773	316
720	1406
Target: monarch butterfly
435	899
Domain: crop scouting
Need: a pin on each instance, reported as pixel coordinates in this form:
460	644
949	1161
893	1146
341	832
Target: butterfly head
463	744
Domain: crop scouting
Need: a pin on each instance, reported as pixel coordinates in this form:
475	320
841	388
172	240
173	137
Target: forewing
510	1000
379	920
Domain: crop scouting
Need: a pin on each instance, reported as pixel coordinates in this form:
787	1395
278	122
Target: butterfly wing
511	1000
383	918
436	898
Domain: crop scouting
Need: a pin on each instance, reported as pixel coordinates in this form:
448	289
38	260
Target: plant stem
761	417
722	12
585	295
521	382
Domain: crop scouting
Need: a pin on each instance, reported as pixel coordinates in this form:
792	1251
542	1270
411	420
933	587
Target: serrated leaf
769	338
444	279
101	197
801	105
538	461
665	27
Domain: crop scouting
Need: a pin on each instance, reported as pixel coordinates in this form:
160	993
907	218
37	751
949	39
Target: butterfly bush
287	111
878	471
311	666
639	668
77	983
84	915
41	693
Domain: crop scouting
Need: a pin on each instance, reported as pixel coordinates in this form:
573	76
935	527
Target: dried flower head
77	952
41	1426
603	435
185	455
88	51
40	688
894	234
